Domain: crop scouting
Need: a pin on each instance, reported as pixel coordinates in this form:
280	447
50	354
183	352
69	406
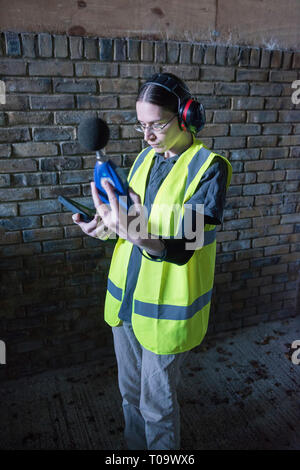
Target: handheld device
93	134
109	171
87	214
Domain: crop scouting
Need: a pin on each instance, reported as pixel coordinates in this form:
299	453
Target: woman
159	290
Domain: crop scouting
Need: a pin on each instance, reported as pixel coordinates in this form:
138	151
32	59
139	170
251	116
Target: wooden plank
267	23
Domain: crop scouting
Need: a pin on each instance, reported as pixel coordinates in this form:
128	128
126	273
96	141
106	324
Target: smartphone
87	214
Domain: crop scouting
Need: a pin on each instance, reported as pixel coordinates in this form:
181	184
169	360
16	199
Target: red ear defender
192	115
184	114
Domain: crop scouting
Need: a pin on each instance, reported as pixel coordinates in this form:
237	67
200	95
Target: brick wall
53	277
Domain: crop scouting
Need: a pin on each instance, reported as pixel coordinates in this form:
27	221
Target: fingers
86	227
102	208
113	200
96	199
76	218
134	196
102	232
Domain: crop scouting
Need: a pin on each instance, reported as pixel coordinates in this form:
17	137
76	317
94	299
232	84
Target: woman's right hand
95	228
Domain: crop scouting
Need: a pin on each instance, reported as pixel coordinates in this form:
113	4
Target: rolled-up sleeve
211	191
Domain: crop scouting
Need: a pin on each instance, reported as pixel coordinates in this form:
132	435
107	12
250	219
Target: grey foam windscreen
93	134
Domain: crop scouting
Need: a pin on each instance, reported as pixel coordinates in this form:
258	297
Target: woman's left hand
117	219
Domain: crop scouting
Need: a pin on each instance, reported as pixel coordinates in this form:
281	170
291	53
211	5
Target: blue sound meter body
108	170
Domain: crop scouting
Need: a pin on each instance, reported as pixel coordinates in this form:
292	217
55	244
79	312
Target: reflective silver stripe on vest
114	290
195	164
209	236
171	312
139	161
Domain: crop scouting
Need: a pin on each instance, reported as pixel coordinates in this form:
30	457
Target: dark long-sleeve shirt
211	192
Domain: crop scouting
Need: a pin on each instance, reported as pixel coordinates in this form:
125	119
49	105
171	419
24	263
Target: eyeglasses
155	127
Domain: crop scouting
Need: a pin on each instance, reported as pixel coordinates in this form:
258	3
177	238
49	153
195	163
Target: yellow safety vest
171	303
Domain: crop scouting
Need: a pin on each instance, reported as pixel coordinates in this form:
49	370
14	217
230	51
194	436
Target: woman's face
168	138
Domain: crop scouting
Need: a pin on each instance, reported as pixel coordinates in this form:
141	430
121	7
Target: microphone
93	134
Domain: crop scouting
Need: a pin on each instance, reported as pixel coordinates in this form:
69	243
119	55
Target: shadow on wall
52	310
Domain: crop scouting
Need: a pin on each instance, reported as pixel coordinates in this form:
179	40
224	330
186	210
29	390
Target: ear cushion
191	115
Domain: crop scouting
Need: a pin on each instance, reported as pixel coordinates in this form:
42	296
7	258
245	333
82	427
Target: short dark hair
155	94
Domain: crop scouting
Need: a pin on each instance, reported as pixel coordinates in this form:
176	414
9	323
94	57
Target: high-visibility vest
171	303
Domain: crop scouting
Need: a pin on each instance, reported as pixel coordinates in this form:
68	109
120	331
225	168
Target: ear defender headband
191	113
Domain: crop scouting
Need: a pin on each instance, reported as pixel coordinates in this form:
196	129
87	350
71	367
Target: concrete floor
239	391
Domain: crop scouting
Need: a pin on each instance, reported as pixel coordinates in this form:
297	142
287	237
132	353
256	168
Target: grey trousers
148	384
